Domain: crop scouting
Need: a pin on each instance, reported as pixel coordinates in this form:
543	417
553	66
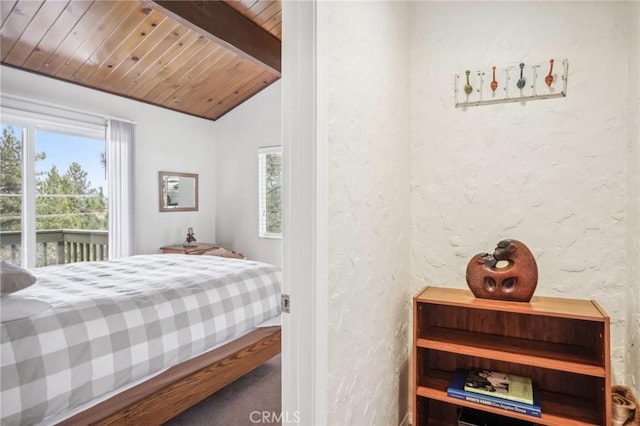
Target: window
270	192
53	191
11	153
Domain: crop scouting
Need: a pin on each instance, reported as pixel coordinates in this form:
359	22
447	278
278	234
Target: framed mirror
178	192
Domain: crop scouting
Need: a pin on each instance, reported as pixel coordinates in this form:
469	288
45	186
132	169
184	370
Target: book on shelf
500	385
457	390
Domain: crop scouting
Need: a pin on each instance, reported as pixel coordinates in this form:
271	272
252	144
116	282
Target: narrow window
270	192
11	184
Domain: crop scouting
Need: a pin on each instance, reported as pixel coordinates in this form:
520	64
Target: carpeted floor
254	399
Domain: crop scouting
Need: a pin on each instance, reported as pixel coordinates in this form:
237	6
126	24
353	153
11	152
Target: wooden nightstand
180	249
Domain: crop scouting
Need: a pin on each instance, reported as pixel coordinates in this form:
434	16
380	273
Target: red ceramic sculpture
516	280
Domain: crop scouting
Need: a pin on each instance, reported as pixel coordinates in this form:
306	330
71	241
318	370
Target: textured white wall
369	212
551	173
239	134
160	145
632	360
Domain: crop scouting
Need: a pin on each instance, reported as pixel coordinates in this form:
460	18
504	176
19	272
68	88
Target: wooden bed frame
168	394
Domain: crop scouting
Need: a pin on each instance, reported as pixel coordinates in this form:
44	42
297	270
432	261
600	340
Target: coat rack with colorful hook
516	83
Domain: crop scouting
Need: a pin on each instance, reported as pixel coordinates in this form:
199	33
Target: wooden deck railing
56	246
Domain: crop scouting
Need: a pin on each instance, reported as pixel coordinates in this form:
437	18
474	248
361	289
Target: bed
135	340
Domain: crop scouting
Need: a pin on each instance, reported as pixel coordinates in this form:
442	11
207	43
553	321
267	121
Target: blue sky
62	150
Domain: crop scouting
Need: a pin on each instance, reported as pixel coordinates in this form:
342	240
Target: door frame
305	227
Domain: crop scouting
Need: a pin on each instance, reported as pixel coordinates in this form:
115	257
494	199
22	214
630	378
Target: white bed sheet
117	321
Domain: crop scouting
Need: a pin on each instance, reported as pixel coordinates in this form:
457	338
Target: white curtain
120	140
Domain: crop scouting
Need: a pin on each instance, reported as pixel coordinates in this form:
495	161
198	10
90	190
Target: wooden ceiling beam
225	25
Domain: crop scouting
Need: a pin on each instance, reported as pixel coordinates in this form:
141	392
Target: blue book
456	390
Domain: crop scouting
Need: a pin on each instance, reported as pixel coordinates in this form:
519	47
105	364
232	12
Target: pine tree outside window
270	192
53	192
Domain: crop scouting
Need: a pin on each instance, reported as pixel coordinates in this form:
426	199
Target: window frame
32	122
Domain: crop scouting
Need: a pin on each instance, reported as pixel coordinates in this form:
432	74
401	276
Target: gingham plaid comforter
117	321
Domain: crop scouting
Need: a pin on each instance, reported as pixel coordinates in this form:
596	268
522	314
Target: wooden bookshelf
562	344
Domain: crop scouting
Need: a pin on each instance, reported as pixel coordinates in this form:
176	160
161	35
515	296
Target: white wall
551	173
555	173
239	133
165	140
632	356
368	212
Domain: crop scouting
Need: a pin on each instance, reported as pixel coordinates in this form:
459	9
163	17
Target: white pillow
16	307
14	278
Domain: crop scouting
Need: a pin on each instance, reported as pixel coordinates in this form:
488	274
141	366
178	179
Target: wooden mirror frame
161	194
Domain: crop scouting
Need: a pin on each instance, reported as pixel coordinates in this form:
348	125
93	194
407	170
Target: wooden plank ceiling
202	58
